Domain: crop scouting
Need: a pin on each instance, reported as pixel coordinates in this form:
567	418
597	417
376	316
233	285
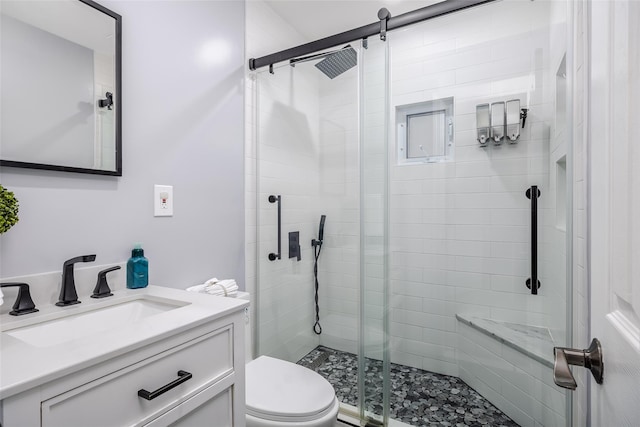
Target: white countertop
24	366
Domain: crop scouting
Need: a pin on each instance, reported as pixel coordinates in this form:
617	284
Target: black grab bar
272	256
532	282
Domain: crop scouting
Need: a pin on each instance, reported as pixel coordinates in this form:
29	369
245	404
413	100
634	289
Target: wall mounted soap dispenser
513	120
497	122
483	123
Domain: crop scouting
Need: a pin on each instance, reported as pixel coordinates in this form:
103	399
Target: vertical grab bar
272	256
532	282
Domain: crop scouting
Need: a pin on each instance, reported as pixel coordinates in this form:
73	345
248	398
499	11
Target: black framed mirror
61	86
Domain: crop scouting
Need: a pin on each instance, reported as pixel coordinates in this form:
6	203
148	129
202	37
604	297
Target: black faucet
68	295
24	304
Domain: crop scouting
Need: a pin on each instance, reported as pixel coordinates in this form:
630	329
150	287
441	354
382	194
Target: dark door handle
590	358
273	256
183	376
532	282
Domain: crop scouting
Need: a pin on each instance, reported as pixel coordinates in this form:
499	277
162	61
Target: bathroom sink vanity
145	357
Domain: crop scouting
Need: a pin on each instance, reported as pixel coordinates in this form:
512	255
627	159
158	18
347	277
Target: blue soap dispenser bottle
137	269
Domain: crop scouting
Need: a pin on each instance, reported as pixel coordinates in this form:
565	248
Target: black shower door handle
533	283
273	256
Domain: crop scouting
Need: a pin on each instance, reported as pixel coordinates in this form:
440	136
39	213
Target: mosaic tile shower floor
418	397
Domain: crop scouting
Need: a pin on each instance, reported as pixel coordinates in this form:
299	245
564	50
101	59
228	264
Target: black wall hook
108	102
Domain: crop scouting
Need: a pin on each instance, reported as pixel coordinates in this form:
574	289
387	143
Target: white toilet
283	394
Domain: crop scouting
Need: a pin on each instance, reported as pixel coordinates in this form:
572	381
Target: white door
615	209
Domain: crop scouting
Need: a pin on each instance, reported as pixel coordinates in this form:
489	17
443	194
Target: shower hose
316	327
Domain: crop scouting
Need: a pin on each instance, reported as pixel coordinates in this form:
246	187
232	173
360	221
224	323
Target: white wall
182	126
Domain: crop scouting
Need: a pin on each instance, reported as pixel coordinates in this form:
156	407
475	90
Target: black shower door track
418	15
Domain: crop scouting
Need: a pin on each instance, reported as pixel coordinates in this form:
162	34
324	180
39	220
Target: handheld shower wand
317	247
318	242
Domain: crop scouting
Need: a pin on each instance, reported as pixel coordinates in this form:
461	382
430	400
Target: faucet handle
102	289
24	304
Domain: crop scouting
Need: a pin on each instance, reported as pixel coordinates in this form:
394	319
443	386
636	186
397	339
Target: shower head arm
295	61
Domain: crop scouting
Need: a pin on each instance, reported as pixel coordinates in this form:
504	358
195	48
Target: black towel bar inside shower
274	256
533	283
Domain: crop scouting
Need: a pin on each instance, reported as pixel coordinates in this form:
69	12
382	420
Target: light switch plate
162	200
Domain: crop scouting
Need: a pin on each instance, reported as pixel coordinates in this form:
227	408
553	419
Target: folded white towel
213	286
200	288
196	288
211	281
226	283
227	288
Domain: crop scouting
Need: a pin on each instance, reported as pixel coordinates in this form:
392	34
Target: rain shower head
338	62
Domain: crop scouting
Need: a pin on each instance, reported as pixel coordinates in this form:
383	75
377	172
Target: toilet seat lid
281	390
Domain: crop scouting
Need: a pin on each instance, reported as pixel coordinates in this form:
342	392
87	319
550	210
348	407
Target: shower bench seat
533	341
511	365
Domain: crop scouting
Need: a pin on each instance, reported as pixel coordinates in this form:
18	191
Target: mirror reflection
59	86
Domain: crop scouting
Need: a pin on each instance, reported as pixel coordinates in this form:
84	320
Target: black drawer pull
150	395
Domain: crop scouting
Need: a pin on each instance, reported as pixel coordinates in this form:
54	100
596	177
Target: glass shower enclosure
441	161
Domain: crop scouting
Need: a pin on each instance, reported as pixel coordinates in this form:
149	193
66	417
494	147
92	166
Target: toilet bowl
283	394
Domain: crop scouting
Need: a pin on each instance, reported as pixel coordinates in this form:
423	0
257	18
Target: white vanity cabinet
106	394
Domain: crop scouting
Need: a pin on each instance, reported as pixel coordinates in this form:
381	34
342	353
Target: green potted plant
8	209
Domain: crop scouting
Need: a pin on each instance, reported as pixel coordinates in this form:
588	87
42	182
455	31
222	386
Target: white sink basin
81	325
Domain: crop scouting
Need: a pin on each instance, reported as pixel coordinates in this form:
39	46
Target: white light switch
163	200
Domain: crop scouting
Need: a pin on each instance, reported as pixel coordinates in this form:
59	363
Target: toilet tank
248	335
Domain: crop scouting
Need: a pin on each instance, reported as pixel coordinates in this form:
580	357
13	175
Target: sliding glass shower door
321	152
287	177
480	215
307	174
